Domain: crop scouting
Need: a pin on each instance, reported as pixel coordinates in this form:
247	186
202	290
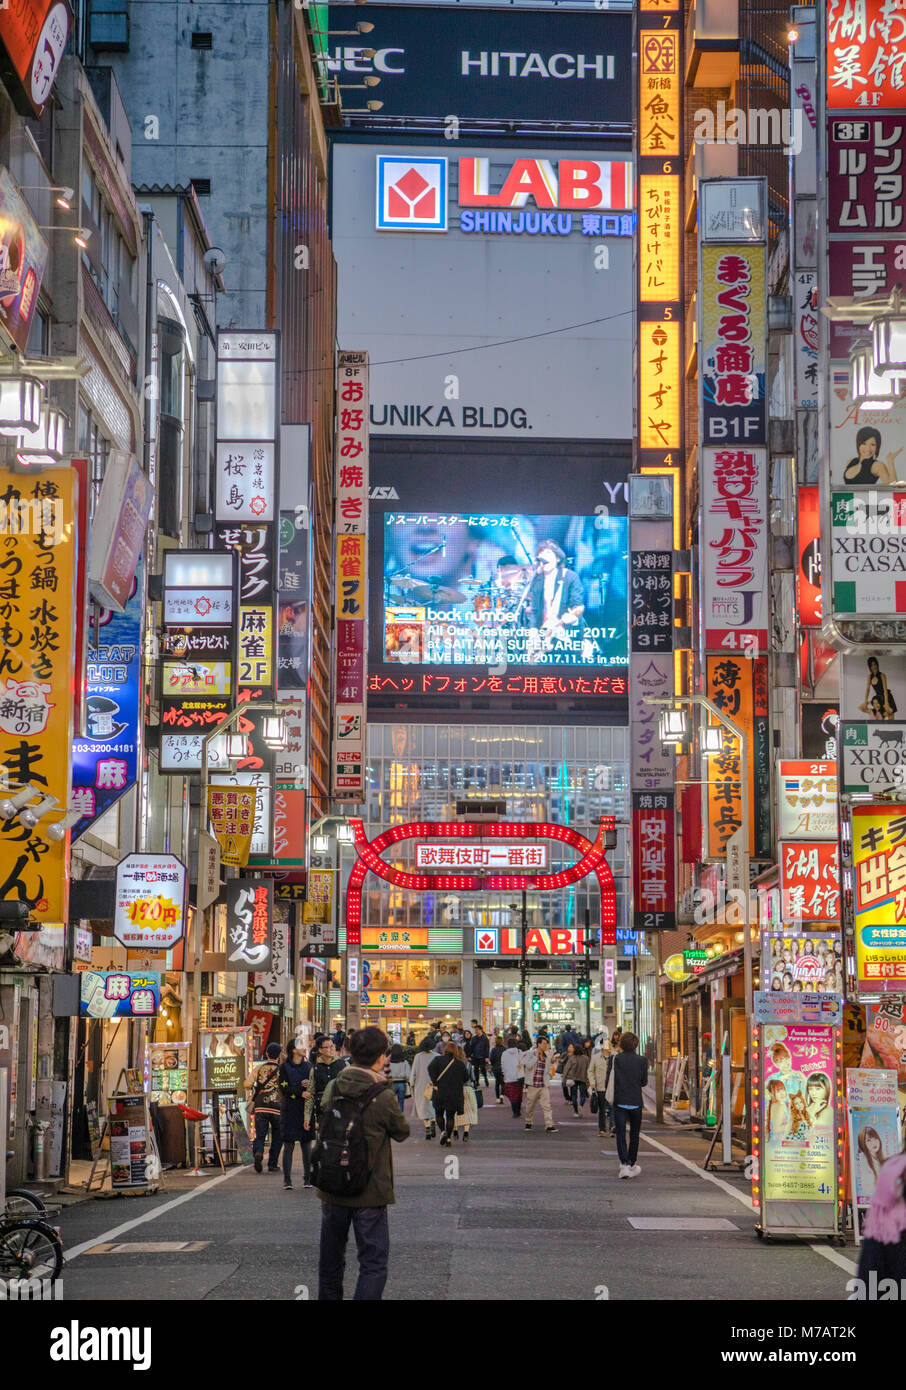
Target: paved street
547	1212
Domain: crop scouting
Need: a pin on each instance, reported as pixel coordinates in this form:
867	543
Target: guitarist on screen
556	604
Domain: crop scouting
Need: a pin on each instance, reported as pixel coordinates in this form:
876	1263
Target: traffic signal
583	985
536	1003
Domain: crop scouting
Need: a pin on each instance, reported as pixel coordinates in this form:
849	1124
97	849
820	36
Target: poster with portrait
798	1098
873	1124
225	1057
866	446
802	964
873	687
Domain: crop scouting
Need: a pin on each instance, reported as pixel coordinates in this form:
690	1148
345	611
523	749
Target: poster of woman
799	1148
873	1123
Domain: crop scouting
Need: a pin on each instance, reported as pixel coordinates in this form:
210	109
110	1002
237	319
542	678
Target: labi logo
77	1343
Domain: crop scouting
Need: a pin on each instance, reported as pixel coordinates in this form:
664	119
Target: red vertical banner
653	855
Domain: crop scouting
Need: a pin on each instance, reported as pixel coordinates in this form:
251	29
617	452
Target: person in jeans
597	1081
266	1106
575	1076
630	1074
294	1076
538	1068
400	1071
496	1054
481	1049
366	1213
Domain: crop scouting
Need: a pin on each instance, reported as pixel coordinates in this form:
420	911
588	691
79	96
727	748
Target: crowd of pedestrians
345	1099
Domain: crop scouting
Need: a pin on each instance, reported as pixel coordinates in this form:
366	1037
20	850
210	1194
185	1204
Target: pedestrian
525	1039
466	1045
468	1116
458	1033
339	1038
294	1077
359	1090
602	1040
495	1055
481	1051
266	1107
597	1082
629	1074
883	1250
327	1065
441	1044
410	1038
511	1071
575	1076
560	1062
400	1072
614	1049
423	1104
344	1057
538	1068
448	1074
651	1050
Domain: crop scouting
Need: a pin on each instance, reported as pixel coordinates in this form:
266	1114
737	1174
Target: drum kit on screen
494	602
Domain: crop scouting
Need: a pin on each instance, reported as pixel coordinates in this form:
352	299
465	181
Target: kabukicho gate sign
592	860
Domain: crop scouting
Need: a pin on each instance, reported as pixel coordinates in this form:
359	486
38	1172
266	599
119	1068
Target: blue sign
105	761
119	994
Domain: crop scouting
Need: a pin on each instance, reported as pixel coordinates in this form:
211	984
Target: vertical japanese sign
231	812
809	881
660	238
733	344
651	601
37	584
731	686
653	887
879	897
350	570
199	614
250	913
808	573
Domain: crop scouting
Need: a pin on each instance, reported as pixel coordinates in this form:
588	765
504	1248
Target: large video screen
499	570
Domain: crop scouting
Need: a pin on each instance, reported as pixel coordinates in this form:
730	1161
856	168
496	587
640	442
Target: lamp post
702	702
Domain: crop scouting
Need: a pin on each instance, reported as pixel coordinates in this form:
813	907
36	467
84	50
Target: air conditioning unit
482	810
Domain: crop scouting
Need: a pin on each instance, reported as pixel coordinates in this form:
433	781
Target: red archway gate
592	860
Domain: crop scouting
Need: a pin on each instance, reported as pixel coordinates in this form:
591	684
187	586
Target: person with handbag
575	1076
511	1069
266	1108
422	1088
400	1072
448	1076
472	1102
294	1076
597	1081
627	1074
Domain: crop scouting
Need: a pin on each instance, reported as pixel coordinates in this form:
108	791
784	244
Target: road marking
824	1250
148	1247
151	1215
681	1223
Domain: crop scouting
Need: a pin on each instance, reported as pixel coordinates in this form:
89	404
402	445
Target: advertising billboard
490	65
470	595
879	897
798	1158
549	229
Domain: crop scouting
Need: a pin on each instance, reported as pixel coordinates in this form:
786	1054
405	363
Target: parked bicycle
30	1248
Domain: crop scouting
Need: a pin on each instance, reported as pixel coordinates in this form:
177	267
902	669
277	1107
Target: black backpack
340	1159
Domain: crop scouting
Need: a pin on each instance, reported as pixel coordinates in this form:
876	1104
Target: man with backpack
353	1168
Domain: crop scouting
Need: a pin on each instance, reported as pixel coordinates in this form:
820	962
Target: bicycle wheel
20	1203
30	1250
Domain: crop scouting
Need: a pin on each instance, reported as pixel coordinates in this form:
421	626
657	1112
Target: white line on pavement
825	1250
150	1215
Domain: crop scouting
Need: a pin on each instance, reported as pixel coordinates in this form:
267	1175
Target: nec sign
534	195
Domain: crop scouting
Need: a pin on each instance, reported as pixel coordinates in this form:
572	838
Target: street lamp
712	739
668	702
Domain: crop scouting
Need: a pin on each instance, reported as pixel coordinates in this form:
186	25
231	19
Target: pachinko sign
150	901
879	897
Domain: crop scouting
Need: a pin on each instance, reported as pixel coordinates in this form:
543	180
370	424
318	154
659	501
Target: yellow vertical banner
731	687
37	586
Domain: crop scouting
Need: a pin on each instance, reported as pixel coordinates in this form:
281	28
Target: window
95	445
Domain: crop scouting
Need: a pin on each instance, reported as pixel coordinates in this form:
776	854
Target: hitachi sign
490	64
579	185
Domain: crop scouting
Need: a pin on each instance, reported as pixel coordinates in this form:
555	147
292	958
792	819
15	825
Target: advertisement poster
809	881
23	257
868	538
225	1056
802	964
865	445
119	994
150	901
873	1123
872	686
879	897
130	1146
808	573
798	1099
170	1073
250	915
231	811
884	1041
807	800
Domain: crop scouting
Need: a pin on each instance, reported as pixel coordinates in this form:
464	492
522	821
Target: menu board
170	1073
129	1142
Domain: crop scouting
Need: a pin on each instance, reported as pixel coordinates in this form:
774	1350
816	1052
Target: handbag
432	1085
608	1089
479	1097
593	1102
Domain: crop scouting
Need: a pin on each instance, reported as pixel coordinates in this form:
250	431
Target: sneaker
551	1129
500	1100
259	1163
465	1135
287	1187
625	1170
528	1124
602	1133
273	1170
634	1171
308	1184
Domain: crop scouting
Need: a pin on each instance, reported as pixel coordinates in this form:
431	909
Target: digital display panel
498	569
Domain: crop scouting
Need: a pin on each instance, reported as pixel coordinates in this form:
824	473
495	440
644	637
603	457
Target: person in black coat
495	1055
882	1254
630	1075
449	1075
481	1050
294	1082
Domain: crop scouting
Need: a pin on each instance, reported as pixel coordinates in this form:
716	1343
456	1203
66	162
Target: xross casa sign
535	197
539	941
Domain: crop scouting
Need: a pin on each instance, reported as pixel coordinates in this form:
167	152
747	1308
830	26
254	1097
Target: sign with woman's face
873	687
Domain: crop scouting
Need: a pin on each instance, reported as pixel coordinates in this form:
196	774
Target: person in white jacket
597	1082
538	1068
424	1108
513	1079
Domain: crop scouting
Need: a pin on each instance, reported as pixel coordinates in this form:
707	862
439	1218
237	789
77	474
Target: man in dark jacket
481	1050
326	1067
367	1212
630	1075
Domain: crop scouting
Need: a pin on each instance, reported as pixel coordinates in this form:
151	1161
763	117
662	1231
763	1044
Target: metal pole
659	1063
523	967
588	973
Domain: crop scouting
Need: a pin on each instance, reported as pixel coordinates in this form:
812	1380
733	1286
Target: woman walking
628	1073
400	1072
883	1252
448	1074
575	1076
497	1052
294	1083
468	1116
513	1079
423	1104
597	1081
